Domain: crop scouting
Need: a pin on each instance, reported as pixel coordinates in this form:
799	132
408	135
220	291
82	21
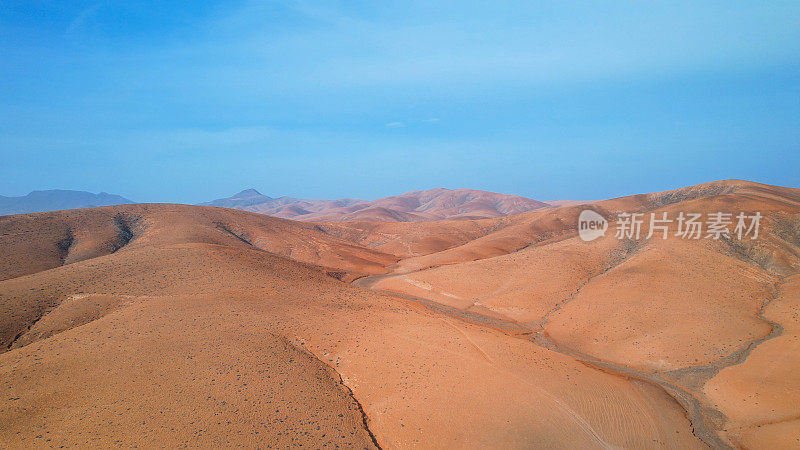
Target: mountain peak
248	193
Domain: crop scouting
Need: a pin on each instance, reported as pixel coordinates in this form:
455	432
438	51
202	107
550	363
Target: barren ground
164	325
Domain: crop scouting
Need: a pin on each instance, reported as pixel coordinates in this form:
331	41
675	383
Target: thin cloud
395	124
80	20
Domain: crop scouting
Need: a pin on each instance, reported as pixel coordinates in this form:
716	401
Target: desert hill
414	206
173	324
689	314
54	200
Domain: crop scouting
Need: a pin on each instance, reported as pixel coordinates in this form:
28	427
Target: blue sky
186	101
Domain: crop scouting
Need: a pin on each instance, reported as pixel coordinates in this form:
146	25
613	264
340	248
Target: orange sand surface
169	325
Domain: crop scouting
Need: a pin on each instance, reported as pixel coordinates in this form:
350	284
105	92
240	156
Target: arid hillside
711	321
414	206
164	325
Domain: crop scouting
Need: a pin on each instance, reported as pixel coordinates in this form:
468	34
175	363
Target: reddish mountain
414	206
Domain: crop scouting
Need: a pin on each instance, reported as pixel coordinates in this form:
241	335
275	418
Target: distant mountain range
414	206
56	199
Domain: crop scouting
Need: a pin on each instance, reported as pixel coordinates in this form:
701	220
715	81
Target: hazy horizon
193	101
278	195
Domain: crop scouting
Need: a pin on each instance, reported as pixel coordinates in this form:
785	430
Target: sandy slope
169	324
682	310
187	335
761	394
